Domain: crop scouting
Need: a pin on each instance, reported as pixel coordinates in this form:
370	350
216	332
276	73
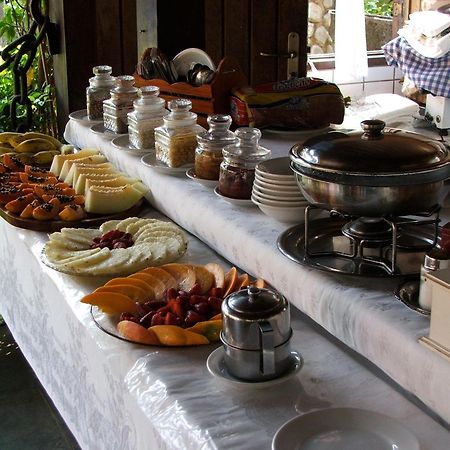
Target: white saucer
190	173
100	130
82	117
344	429
150	160
234	201
184	60
216	367
122	142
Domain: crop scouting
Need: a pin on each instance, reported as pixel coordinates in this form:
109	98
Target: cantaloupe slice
129	282
111	200
168	280
203	277
157	285
110	302
149	289
243	281
210	329
68	163
136	293
231	281
58	160
217	271
94	161
137	333
183	273
171	335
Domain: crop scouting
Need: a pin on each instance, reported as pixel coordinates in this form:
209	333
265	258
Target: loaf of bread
298	103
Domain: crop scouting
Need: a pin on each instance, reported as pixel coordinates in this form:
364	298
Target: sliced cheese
58	160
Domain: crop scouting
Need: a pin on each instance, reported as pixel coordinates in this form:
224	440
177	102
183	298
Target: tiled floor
28	420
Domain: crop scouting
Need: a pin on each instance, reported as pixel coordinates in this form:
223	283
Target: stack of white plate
275	191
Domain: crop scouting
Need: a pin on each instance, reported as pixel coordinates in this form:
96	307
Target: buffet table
116	395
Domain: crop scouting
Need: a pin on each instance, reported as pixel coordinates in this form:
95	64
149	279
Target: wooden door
246	28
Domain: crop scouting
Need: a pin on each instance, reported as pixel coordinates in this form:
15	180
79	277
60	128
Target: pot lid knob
373	129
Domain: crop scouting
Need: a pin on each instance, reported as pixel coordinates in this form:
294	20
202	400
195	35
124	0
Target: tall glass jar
175	141
147	115
116	108
237	170
98	90
208	154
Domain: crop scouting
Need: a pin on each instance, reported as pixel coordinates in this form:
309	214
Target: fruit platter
117	247
81	189
170	305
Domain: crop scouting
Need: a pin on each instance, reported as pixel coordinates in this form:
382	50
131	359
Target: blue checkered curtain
429	74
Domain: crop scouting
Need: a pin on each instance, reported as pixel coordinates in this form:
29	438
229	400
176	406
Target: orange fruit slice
183	273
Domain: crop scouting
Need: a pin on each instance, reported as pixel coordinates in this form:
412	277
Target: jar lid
247	147
375	152
124	84
180	113
102	70
253	303
219	131
148	99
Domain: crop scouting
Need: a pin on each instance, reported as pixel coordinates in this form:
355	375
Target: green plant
379	7
16	22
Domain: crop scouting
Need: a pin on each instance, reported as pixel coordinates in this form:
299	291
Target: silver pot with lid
256	334
374	172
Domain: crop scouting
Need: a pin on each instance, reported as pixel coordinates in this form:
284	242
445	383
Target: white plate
122	142
234	201
190	173
216	367
190	56
100	130
344	429
294	193
278	196
150	160
276	167
276	181
273	186
82	117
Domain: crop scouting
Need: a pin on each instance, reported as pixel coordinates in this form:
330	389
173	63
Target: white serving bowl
276	168
281	203
291	187
282	214
289	195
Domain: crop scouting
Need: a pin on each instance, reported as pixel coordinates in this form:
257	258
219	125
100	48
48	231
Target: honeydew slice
94	161
91	170
111	200
58	160
111	182
65	170
80	184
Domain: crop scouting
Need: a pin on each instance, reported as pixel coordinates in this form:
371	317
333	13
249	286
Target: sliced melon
58	160
109	200
80	184
79	170
66	173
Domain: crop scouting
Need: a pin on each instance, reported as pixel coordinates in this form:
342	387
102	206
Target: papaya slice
183	273
230	282
217	271
65	199
172	335
110	302
18	205
72	213
37	171
12	163
168	280
47	211
136	294
209	328
27	178
4	169
27	212
155	284
145	279
130	282
204	278
137	333
9	193
243	281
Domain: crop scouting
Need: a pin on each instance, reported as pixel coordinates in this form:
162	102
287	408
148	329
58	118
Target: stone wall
320	20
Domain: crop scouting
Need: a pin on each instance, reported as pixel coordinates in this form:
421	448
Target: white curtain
350	40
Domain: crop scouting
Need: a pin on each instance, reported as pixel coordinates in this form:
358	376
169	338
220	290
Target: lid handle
253	293
267	360
373	129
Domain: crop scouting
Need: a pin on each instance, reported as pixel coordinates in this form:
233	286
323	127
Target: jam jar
208	154
237	170
98	90
147	115
116	108
175	141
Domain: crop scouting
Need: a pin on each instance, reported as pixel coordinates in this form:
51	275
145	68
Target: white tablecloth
115	395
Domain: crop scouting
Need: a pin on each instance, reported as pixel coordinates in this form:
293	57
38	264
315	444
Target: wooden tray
93	220
213	98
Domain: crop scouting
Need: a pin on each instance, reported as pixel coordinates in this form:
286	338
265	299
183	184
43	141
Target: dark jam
236	182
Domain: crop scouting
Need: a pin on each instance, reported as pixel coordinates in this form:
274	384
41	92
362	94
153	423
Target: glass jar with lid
208	154
147	115
116	108
237	170
98	90
176	139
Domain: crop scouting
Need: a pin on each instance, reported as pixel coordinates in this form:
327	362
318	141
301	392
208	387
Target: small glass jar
175	141
147	115
208	154
98	90
237	170
116	108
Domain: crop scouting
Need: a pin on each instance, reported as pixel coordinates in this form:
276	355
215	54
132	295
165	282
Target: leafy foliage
15	23
379	7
